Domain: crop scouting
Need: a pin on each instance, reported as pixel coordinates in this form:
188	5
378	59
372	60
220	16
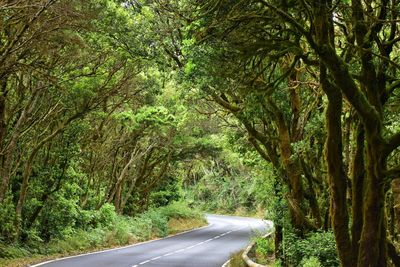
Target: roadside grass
262	253
121	231
177	225
240	211
263	250
236	260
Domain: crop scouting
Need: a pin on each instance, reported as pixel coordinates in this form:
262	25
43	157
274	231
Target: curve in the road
209	246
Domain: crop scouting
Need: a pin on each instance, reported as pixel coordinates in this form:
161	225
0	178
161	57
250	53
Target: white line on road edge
226	264
112	249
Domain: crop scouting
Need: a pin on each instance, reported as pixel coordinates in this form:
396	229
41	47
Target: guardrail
247	259
245	256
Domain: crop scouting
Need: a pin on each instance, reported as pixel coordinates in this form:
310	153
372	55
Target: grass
236	260
261	253
121	231
242	212
263	250
177	225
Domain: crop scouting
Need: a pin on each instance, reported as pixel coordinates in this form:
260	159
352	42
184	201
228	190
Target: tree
348	48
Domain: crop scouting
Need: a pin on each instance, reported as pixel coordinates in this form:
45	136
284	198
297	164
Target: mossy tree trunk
357	177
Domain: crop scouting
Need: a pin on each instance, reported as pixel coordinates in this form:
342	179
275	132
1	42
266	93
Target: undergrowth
108	230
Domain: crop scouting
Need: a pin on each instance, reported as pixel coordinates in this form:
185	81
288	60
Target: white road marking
168	254
224	265
190	247
123	247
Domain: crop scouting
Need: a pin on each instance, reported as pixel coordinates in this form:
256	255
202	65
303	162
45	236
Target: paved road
210	246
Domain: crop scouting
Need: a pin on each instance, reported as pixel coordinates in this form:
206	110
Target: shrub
107	228
311	262
179	210
9	252
141	227
265	245
7	220
106	215
120	233
320	245
159	222
264	248
59	218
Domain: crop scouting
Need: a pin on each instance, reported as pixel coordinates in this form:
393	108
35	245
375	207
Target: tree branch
392	143
292	21
392	173
225	104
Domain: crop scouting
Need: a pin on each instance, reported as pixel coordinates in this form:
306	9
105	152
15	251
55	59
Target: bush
59	218
106	229
311	262
320	245
265	246
106	215
7	220
141	227
179	210
9	252
159	222
264	249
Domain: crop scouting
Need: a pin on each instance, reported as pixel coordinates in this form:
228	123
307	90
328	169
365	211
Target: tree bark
357	177
373	250
3	129
336	175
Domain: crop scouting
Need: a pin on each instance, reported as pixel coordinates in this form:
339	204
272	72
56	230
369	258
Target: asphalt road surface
209	246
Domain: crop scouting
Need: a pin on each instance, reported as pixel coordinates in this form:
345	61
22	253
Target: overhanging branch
392	143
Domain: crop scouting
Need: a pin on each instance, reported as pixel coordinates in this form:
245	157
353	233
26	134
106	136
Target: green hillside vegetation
123	121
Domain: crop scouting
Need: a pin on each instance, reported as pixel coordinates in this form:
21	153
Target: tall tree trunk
336	174
357	177
117	198
334	148
373	250
292	170
4	169
311	195
121	177
396	204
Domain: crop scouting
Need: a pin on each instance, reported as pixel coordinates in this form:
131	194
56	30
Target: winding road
209	246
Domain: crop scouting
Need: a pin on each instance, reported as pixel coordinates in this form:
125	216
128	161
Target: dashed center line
190	247
168	254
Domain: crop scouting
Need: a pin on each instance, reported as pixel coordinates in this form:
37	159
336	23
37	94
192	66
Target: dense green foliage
98	135
112	110
107	229
319	245
235	181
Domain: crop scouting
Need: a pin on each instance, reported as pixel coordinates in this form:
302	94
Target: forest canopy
285	108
